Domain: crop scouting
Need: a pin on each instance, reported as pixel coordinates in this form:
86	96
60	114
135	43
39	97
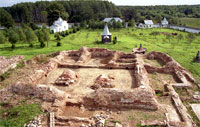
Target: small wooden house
106	35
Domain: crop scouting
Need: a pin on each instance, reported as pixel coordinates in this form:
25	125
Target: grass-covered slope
183	50
191	22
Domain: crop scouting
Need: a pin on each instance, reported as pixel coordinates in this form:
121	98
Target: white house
148	24
164	22
117	19
59	26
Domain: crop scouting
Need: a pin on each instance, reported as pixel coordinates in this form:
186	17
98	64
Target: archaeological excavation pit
95	87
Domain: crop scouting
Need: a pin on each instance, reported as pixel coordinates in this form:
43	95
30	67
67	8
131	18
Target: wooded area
81	10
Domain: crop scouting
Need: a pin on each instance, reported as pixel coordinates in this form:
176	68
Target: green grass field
191	22
181	50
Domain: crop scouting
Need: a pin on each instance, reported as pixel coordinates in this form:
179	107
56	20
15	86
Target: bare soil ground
124	79
158	80
130	117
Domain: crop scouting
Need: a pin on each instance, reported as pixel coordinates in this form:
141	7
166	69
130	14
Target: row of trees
100	24
24	34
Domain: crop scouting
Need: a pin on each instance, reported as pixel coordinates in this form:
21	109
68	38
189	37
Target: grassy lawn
191	22
181	50
18	115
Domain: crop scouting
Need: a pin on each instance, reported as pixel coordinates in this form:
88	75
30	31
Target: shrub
2	38
74	30
57	37
31	45
66	33
42	44
58	43
83	24
115	40
21	34
62	34
13	37
154	33
131	23
30	35
33	26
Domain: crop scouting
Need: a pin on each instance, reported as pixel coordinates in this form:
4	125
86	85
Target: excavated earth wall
140	97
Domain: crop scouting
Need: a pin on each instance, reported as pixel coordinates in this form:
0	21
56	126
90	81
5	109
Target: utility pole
47	38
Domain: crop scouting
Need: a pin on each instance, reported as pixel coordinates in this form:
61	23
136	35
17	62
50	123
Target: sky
5	3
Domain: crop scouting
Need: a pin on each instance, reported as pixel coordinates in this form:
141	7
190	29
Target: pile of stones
68	77
6	64
197	96
36	122
98	121
103	81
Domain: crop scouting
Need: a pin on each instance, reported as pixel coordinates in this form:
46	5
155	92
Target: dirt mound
141	98
46	93
67	78
103	81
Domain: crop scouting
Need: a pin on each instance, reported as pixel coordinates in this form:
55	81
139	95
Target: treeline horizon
85	10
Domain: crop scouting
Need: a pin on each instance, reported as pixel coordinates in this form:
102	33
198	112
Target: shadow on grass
8	48
101	43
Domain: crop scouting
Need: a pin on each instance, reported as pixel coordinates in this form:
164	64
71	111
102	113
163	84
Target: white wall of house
59	26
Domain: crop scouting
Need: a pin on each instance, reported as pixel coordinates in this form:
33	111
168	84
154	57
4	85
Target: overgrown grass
18	115
191	22
181	50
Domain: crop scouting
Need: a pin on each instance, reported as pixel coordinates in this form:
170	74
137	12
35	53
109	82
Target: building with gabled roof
164	22
106	35
59	26
148	23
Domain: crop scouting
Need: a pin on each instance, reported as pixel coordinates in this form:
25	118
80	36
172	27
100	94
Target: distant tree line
156	13
73	10
87	11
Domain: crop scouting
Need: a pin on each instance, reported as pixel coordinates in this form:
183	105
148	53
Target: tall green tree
41	37
119	24
2	38
46	34
131	23
22	36
114	24
54	11
30	35
83	24
13	37
44	16
6	19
